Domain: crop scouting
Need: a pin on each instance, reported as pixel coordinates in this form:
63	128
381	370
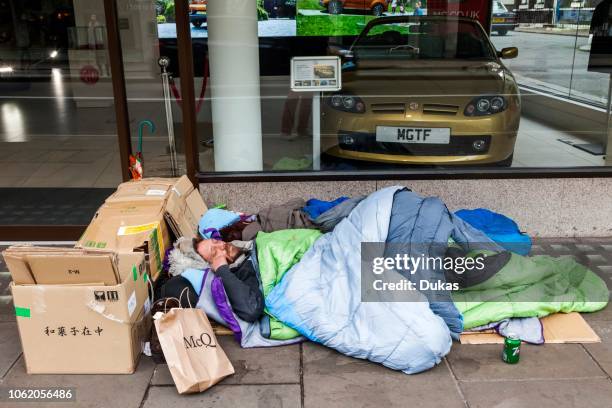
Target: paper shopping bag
195	359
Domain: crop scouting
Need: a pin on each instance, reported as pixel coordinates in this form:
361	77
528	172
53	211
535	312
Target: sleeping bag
499	228
532	287
277	252
320	297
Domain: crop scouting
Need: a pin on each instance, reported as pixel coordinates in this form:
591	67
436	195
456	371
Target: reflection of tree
169	12
262	14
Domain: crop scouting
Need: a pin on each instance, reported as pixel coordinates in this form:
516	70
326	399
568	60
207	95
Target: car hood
417	77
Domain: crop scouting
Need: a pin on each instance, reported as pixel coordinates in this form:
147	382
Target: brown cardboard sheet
558	328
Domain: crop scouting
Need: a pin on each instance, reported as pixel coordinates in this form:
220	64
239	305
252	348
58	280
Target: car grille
440	109
458	146
388	107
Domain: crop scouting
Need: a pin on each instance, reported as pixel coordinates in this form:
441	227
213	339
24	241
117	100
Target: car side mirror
508	53
340	52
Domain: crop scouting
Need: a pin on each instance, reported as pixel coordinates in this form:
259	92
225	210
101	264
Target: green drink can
512	349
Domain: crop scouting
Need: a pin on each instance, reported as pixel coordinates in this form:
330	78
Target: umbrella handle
141	126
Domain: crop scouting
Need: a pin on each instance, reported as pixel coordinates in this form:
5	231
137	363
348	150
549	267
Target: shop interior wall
546	207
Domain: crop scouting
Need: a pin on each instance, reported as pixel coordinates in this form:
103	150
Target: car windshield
423	39
498	7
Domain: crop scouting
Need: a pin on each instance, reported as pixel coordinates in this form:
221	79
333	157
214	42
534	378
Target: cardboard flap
19	268
182	187
184	209
73	268
149	189
568	328
558	328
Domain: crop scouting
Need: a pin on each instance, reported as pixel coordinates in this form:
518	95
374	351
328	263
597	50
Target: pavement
309	375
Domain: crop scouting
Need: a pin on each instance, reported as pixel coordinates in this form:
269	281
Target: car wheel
197	23
502	32
377	10
334	7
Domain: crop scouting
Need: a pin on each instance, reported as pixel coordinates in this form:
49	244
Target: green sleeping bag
277	252
532	287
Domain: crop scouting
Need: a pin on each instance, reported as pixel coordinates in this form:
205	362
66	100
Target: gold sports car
423	90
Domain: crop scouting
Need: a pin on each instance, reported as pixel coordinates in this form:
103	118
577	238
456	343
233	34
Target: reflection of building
557	12
280	8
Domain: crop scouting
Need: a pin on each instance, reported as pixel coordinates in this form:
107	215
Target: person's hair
196	241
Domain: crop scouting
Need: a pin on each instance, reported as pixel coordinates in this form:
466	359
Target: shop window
423	86
57	122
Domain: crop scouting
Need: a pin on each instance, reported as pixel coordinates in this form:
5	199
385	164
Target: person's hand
219	258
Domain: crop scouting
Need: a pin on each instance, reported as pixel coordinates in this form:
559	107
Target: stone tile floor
309	375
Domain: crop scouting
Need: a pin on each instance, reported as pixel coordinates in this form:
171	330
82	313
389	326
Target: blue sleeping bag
320	297
499	228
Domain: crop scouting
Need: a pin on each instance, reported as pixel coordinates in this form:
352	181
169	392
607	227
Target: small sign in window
310	74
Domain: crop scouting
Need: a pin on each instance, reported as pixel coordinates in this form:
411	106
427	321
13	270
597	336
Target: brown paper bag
195	359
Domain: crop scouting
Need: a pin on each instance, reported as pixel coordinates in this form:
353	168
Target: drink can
512	349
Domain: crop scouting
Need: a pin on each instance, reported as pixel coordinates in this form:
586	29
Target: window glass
422	85
57	118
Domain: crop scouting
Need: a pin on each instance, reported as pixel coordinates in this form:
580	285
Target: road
554	62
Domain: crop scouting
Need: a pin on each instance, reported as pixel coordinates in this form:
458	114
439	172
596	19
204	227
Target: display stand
316	75
316	131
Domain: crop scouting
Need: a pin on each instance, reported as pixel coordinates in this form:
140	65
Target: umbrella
136	160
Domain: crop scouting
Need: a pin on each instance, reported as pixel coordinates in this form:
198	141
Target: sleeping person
231	263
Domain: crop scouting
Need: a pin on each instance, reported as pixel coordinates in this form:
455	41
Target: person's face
209	248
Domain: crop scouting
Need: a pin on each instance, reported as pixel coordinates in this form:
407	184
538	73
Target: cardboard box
85	329
140	216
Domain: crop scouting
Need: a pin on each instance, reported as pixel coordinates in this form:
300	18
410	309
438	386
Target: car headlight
486	105
346	103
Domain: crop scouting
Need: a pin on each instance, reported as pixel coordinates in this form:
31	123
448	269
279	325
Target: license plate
412	135
499	20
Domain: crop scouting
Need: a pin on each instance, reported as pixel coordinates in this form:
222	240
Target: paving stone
591	393
227	396
10	346
7	310
271	365
601	315
585	247
334	380
483	362
596	258
560	248
602	352
92	391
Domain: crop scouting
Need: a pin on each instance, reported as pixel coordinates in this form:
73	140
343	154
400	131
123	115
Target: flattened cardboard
84	329
72	268
14	258
568	328
558	328
20	271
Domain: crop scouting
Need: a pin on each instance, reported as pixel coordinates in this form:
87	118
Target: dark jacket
242	288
